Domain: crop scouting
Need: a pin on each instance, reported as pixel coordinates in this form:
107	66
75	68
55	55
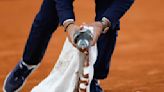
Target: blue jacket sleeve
65	10
117	10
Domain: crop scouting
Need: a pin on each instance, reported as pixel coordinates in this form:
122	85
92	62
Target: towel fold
65	75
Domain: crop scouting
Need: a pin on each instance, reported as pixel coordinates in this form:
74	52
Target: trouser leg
106	44
45	22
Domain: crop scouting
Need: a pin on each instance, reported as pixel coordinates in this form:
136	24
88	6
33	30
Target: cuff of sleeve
65	15
68	20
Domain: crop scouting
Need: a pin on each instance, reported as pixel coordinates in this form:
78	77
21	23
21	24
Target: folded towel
66	73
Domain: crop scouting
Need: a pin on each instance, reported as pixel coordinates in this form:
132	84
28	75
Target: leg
44	25
105	44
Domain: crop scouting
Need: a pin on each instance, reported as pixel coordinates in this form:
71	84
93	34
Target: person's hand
71	29
97	30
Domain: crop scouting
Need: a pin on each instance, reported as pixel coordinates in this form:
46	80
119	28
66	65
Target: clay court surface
138	60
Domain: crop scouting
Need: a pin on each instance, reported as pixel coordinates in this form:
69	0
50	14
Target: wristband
67	23
68	26
106	24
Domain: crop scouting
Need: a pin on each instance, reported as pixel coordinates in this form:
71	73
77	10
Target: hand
71	29
97	30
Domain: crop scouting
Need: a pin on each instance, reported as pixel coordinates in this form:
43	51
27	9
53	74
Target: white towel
65	74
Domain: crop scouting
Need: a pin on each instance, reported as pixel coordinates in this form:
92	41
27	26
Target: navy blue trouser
45	23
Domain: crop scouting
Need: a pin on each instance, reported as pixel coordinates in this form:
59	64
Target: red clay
137	64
